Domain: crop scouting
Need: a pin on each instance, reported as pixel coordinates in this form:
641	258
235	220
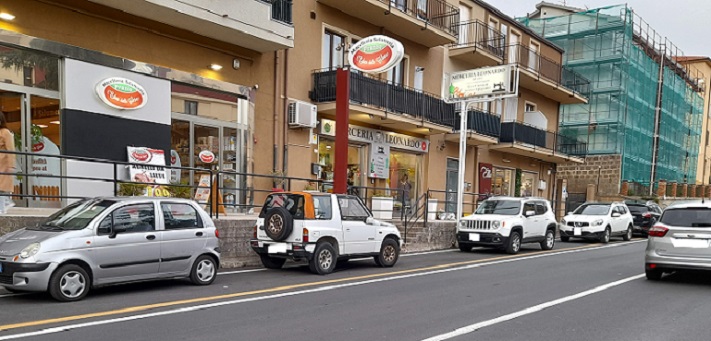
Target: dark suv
644	216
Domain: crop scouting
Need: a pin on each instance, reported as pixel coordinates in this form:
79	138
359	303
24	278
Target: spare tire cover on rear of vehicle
278	223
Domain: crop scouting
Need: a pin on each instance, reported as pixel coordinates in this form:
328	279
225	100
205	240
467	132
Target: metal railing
482	122
437	13
546	68
385	95
282	10
516	132
482	36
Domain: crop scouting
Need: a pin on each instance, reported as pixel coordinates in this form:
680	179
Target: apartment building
643	122
703	168
201	74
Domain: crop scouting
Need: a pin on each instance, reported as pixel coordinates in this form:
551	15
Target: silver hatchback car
681	239
103	241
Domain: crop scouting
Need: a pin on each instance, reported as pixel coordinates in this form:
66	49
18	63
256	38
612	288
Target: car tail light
305	235
658	231
217	233
647	215
254	234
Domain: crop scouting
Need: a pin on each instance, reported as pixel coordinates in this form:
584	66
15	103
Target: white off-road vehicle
506	223
322	229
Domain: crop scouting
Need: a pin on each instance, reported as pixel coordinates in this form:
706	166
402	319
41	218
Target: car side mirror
116	230
530	213
569	213
369	220
615	215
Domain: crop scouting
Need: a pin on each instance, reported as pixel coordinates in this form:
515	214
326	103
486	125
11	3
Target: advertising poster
148	165
379	166
202	193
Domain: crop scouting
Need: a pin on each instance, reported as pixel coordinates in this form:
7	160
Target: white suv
506	223
597	221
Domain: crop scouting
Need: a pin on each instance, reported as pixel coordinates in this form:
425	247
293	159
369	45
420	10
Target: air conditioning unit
302	114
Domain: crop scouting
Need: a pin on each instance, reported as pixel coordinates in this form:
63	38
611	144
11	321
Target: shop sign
375	54
147	165
121	93
485	176
368	135
206	156
479	83
379	165
175	162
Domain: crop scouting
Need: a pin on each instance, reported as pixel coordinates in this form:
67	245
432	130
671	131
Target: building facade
703	168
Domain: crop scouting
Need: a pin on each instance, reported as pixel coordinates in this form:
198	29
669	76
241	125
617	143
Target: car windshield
687	217
503	207
294	203
75	216
593	209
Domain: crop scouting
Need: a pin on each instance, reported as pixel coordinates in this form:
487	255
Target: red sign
37	147
485	174
121	93
141	155
206	156
376	54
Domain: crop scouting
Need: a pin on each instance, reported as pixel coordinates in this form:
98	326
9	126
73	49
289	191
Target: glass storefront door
451	186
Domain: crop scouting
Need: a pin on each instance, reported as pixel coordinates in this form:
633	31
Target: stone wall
606	168
236	233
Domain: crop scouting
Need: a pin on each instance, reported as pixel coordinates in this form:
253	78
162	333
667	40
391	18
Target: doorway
451	185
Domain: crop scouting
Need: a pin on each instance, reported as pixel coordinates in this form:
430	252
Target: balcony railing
481	122
383	95
281	10
546	68
516	132
438	13
480	35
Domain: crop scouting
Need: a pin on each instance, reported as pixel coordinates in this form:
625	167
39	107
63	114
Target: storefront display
528	184
503	182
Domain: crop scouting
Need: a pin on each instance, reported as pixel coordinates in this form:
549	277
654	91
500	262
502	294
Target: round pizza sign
206	156
376	54
121	93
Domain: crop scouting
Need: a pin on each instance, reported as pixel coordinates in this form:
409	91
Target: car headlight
597	222
30	250
496	225
563	222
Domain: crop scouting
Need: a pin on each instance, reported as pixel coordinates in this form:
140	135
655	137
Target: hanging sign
147	165
121	93
483	82
206	156
376	54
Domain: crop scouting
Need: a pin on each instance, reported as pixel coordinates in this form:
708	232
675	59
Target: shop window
528	183
502	183
29	68
327	158
404	175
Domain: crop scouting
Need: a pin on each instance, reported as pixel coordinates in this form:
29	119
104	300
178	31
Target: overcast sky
686	23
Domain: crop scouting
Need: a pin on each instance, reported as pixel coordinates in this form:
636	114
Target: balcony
385	104
257	25
547	77
479	44
483	128
526	140
427	22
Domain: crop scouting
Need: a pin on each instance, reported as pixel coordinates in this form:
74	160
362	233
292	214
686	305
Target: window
191	108
502	207
530	107
529	206
76	216
687	217
332	50
352	209
27	76
396	75
592	209
132	218
322	207
291	202
180	216
541	208
707	138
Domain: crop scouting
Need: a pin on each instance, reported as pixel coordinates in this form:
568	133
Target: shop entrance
452	178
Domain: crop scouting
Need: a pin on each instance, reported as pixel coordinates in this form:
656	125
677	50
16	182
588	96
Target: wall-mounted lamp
7	16
215	67
505	160
235	64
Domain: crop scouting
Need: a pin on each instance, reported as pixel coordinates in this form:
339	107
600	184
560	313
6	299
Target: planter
382	207
431	209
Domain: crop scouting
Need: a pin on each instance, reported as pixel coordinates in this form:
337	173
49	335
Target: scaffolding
639	91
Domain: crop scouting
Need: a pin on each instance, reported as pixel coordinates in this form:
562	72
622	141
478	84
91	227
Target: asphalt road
578	291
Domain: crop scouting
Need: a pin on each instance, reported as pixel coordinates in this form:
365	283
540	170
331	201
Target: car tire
514	243
278	223
605	236
564	238
324	259
549	242
653	274
272	262
69	283
628	235
465	248
389	253
204	271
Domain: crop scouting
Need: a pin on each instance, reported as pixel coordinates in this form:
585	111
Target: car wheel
514	245
564	238
389	253
278	223
653	274
204	270
465	248
324	259
605	236
272	262
628	235
549	242
69	283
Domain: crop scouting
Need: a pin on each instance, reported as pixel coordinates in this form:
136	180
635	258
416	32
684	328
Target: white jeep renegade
506	223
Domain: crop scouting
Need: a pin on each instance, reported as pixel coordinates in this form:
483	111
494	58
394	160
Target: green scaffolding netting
609	47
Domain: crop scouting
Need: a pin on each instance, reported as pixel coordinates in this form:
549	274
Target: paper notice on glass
379	163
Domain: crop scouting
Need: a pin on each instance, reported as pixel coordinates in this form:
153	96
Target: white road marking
474	327
294	293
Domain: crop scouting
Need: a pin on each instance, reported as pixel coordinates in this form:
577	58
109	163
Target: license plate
577	231
691	243
474	237
276	248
